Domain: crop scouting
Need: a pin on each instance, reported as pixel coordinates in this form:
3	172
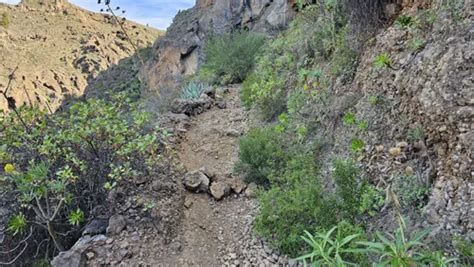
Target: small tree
59	167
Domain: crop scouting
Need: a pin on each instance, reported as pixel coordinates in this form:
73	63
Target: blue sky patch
156	13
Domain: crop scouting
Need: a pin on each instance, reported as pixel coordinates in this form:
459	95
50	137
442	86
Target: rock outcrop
179	53
47	5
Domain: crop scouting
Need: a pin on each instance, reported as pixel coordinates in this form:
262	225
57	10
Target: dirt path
203	231
218	233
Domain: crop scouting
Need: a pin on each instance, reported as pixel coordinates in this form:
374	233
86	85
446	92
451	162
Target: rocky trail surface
218	233
207	224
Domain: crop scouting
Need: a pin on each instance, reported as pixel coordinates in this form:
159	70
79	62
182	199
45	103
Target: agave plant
193	90
327	251
397	249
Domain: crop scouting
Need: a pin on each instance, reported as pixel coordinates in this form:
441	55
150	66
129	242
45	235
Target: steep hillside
272	133
371	129
58	49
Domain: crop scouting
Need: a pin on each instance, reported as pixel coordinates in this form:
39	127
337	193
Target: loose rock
116	224
219	190
196	181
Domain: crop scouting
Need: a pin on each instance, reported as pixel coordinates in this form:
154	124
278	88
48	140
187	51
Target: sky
156	13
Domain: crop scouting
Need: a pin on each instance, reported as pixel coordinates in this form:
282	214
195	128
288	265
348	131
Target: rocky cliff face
432	89
59	49
179	53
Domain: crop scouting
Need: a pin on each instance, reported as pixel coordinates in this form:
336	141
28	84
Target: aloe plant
193	90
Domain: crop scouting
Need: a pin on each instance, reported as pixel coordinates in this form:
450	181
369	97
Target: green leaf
17	224
76	217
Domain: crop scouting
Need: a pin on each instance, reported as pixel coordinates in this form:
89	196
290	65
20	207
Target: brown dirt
217	233
209	232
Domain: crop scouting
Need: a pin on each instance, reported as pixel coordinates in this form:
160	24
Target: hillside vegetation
343	154
292	133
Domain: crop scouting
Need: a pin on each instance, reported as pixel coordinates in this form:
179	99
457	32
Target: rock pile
199	182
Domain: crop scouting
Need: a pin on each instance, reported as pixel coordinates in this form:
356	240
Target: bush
60	166
299	57
348	186
260	153
405	21
246	91
465	248
5	21
410	191
382	61
231	57
401	250
285	212
372	199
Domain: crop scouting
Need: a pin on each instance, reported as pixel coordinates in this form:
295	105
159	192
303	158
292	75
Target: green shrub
265	87
405	21
371	200
346	175
357	145
349	118
246	91
260	153
417	133
382	61
344	60
349	248
454	7
416	44
193	90
17	224
285	212
231	57
297	100
295	60
373	100
61	164
410	191
5	21
465	248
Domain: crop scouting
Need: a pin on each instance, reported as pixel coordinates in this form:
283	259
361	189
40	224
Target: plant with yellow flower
9	168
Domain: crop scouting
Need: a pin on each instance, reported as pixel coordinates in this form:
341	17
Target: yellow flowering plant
9	168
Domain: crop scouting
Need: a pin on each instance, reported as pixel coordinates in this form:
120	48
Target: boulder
69	258
196	181
116	224
238	186
76	256
210	174
95	227
251	191
219	190
191	107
